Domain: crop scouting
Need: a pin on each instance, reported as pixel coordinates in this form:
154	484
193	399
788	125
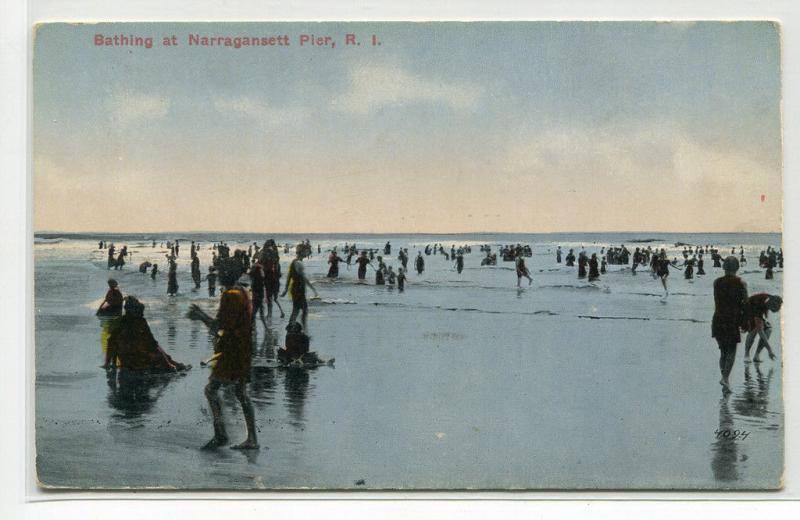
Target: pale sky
444	127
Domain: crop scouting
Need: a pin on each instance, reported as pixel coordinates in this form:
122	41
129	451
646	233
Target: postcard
408	255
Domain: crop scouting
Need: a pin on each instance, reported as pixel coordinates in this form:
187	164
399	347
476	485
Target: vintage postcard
408	256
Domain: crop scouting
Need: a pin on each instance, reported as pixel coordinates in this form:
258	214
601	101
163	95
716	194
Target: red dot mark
763	197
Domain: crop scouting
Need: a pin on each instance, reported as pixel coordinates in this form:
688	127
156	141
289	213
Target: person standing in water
257	281
522	271
594	273
582	261
233	349
196	276
153	272
420	263
270	260
757	324
296	283
637	259
459	262
558	255
362	262
730	299
172	279
401	279
380	272
211	278
334	259
571	258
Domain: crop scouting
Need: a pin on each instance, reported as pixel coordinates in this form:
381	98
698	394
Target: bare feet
772	357
756	360
246	445
215	443
747	359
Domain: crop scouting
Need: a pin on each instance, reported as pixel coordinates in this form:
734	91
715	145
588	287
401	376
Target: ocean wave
638	318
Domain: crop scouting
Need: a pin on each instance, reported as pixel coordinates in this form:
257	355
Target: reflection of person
724	448
730	298
758	307
131	344
233	348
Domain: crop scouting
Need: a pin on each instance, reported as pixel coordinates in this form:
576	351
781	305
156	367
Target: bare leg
295	312
278	303
763	343
251	443
727	355
220	437
748	344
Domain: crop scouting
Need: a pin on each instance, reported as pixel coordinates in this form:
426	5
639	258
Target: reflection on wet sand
134	392
750	413
725	449
296	387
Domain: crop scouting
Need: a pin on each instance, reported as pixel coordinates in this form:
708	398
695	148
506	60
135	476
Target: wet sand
462	381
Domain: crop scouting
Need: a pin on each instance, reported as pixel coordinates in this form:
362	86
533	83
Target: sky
442	128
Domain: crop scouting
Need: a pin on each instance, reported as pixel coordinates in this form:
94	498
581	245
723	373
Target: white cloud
374	86
260	111
661	152
127	107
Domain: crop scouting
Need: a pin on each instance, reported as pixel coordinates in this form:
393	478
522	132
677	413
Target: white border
18	492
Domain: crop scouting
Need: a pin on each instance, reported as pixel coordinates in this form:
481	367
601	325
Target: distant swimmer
211	278
420	263
380	272
154	272
112	303
172	278
757	324
196	276
257	282
362	262
459	262
296	283
582	261
390	277
637	259
594	273
270	260
558	255
522	271
730	300
333	260
570	258
662	265
401	279
700	263
603	264
144	266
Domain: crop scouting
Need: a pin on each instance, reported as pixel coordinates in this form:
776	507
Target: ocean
463	381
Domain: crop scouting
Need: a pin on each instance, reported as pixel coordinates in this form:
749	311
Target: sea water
462	381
